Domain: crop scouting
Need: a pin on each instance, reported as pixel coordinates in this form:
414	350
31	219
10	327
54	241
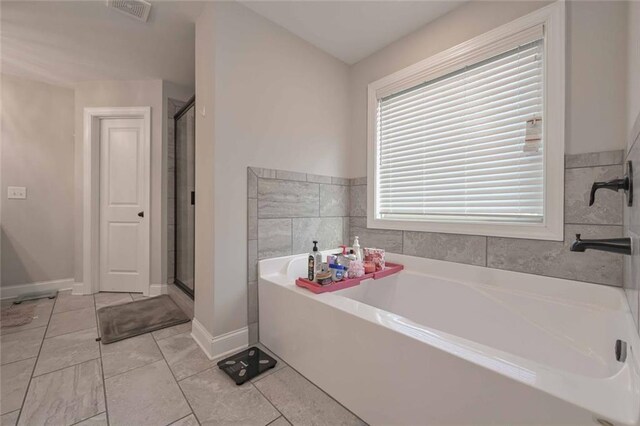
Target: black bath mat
247	364
131	319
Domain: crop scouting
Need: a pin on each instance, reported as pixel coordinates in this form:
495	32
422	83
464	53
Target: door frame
91	190
182	111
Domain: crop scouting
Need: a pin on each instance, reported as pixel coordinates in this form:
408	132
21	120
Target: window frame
552	17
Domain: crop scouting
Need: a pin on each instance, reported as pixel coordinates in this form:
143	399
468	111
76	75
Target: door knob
141	214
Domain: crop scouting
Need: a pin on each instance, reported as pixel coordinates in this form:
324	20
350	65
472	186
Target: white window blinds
453	148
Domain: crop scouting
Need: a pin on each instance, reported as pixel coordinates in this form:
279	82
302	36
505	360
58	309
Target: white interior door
124	201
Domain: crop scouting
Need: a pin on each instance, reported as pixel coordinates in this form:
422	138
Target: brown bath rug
17	315
131	319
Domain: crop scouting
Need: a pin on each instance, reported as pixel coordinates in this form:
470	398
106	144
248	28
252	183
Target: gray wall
303	103
550	258
596	63
286	211
37	152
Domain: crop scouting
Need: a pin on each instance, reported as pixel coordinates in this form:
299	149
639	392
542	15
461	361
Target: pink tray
390	268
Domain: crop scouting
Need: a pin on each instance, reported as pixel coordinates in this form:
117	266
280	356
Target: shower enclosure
185	126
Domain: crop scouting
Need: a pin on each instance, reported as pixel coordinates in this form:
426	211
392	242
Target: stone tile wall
286	211
550	258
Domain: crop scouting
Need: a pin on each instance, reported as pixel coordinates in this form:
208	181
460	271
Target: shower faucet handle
614	185
625	183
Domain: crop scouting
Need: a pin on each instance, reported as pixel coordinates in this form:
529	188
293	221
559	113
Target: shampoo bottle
312	266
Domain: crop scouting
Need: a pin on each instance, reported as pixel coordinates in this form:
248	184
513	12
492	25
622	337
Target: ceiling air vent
138	9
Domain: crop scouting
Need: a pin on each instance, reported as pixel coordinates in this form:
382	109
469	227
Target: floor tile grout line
35	356
271	370
270	402
70	295
19	360
86	361
276	419
89	418
10	330
258	378
67	366
26	392
194	374
211	368
177	384
140	366
179	381
135	368
321	390
70	332
182	418
72	310
24	331
157	340
104	382
20	331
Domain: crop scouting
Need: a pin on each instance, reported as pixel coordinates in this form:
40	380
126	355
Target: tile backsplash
286	210
550	258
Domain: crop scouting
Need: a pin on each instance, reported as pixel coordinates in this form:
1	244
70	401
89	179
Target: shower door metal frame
182	286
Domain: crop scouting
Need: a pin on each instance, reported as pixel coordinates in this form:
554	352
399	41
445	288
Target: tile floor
54	372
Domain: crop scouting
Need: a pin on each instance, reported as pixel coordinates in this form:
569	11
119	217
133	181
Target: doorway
185	197
117	182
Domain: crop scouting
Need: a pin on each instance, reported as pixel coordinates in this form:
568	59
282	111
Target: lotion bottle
356	248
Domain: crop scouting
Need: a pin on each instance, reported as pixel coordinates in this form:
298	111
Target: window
471	141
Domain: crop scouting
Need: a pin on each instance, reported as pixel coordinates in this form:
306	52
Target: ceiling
64	42
351	30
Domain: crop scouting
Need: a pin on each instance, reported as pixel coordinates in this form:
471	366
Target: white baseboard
219	346
157	289
12	291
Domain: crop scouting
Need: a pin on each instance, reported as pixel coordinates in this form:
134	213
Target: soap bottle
356	248
312	266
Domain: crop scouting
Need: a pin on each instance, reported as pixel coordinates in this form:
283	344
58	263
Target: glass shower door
185	125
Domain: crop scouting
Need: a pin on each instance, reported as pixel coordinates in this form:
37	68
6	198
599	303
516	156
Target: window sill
548	231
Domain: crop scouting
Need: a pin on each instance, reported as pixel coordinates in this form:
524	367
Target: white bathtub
445	343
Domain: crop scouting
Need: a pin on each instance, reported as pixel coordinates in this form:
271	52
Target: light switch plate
17	192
